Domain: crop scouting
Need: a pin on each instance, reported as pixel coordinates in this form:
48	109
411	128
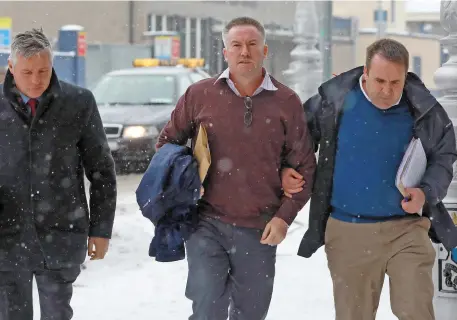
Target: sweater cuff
288	211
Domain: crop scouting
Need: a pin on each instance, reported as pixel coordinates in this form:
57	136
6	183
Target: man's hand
275	232
414	202
292	182
97	248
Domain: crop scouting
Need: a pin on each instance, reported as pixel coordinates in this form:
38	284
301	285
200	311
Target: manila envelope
202	153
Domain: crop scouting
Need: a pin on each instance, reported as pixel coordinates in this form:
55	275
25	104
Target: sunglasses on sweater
248	111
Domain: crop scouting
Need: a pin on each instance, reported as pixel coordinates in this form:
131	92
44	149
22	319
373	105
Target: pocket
425	223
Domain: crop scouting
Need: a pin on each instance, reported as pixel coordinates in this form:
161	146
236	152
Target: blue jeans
231	273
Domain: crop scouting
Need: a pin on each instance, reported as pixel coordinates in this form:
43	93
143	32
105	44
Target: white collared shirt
366	96
266	84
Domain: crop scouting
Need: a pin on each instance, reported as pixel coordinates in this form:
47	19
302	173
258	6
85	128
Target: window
193	37
181	24
150	22
158	25
136	89
171	23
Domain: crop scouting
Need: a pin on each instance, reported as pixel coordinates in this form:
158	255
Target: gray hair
242	21
29	44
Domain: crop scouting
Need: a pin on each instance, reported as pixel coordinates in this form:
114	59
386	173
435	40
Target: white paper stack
412	167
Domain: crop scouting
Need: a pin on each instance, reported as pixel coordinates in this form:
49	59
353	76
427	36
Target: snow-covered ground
129	284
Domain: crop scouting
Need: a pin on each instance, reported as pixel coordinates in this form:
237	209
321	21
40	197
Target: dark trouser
55	288
229	267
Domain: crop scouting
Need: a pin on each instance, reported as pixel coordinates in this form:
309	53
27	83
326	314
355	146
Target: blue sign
380	15
5	37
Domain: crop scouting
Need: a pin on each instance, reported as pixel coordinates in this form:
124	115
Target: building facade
199	25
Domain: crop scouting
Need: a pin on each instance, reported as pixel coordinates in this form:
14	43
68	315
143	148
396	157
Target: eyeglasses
248	112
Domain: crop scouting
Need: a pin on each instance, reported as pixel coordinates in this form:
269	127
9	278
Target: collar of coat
11	92
415	91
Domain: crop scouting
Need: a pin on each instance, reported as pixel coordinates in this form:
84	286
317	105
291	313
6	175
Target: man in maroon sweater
255	126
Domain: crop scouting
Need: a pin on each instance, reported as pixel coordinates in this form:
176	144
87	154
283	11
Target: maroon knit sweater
243	185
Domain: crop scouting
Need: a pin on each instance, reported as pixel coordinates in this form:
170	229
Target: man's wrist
282	221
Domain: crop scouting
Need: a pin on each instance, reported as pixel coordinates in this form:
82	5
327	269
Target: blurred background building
119	31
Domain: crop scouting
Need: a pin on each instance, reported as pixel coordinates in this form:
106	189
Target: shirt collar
26	99
366	96
267	83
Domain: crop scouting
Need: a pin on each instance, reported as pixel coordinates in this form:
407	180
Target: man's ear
224	52
365	73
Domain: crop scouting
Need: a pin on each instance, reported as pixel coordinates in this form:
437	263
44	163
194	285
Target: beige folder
202	153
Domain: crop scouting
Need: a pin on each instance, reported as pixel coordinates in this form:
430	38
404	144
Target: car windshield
135	89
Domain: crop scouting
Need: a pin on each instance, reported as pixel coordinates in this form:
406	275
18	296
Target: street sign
5	38
166	47
81	44
380	15
5	31
175	48
380	19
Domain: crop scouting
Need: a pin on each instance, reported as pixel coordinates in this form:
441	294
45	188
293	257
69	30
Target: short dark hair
243	21
390	50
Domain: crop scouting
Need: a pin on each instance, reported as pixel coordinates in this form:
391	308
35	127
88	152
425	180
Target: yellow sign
151	62
146	62
192	62
6	23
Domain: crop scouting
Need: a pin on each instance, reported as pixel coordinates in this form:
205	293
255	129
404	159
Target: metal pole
131	22
327	42
380	23
444	276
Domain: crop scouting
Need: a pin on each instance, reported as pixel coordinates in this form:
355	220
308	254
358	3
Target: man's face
384	81
32	75
245	50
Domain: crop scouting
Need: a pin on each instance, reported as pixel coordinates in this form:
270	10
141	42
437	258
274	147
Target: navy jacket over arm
167	195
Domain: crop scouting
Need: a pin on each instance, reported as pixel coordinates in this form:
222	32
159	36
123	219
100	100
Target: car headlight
140	131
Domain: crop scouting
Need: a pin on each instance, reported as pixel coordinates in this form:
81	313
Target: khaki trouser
360	254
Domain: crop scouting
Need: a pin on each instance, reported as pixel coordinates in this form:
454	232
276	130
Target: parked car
136	103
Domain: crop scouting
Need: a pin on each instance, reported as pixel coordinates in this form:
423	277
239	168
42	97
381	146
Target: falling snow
129	284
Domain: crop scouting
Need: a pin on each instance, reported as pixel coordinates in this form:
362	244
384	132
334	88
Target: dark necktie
32	103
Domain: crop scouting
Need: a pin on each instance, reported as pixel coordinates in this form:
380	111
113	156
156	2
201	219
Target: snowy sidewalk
129	284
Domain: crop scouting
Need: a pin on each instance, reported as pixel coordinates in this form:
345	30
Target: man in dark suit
50	135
